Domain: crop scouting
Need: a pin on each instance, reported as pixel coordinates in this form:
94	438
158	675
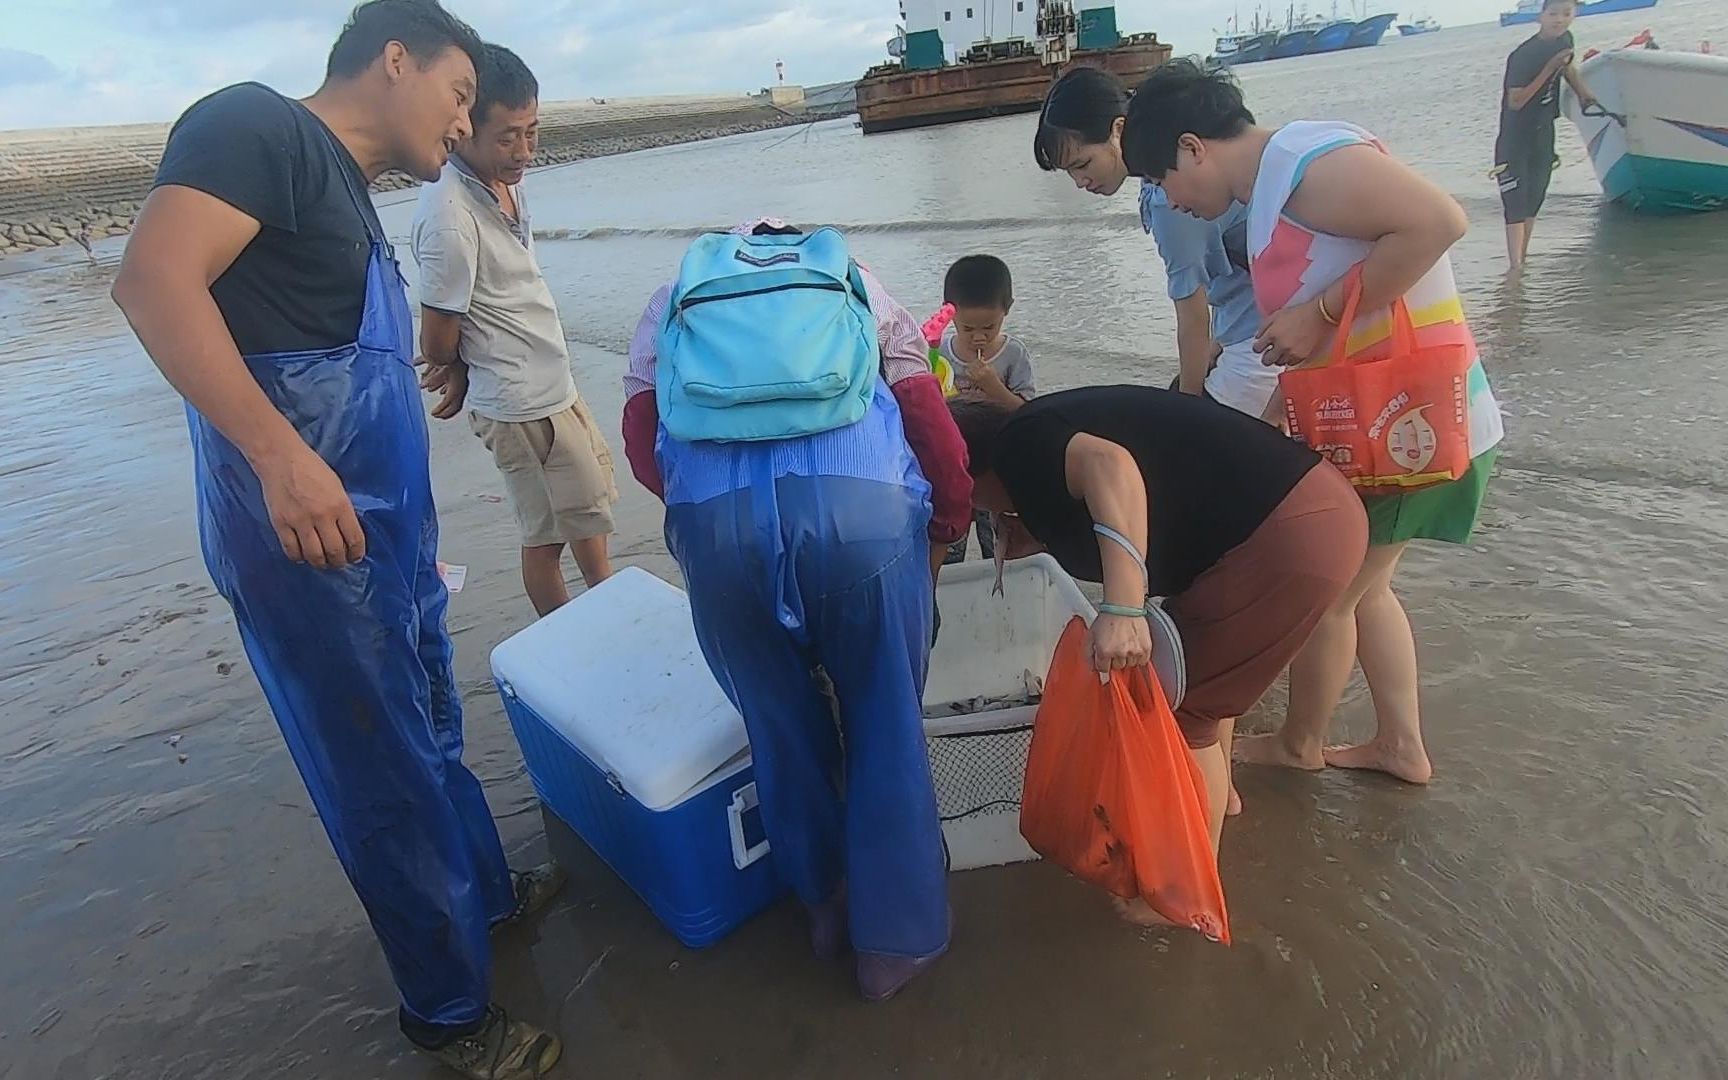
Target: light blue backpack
766	337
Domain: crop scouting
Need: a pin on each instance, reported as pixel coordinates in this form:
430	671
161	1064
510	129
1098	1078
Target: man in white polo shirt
490	337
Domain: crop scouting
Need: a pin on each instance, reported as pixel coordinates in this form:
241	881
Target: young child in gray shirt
989	363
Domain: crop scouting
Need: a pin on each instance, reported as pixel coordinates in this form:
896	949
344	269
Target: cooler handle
744	800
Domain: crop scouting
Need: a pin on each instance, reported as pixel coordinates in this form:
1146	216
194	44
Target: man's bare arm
183	241
440	337
440	351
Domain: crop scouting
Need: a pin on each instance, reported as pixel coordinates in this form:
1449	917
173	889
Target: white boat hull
1671	153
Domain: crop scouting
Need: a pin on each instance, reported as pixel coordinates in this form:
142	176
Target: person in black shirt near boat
1529	105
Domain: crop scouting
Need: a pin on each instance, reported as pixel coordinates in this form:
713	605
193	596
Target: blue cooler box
628	739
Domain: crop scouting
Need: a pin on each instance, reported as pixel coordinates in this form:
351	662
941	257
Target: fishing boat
999	59
1415	28
1251	48
1301	35
1226	46
1333	36
1529	11
1245	45
1659	144
1293	43
1367	33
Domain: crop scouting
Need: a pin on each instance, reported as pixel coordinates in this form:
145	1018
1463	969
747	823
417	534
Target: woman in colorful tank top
1324	198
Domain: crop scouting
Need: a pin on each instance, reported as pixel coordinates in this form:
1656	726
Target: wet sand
1551	907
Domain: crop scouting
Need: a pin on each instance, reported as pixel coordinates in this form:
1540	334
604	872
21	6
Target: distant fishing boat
1293	43
1245	44
1226	46
1333	36
1660	143
1301	35
1529	11
1367	33
1424	25
1246	48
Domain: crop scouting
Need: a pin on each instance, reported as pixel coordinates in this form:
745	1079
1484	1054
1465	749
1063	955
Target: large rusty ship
967	59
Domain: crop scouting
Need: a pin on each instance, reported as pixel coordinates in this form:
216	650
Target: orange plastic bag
1113	794
1397	422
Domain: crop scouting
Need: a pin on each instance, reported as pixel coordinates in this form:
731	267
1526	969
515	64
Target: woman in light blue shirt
1205	261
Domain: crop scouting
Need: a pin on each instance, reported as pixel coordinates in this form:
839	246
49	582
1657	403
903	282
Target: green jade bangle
1123	610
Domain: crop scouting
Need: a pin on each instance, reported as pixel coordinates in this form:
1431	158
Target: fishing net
979	771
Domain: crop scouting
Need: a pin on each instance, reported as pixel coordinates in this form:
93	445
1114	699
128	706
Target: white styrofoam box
993	647
999	647
619	675
987	643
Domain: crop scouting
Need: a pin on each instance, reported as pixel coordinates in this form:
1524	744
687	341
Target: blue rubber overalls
356	663
812	552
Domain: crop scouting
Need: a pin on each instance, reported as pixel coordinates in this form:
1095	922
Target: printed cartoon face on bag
1376	424
1411	441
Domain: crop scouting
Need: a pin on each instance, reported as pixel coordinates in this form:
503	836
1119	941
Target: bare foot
1270	750
1409	765
1233	805
1139	912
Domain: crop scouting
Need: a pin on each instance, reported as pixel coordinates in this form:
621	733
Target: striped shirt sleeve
904	351
639	377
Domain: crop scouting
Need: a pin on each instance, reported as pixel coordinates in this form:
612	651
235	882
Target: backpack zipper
828	286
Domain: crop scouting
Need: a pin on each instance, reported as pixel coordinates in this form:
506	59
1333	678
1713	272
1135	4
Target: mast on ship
1058	31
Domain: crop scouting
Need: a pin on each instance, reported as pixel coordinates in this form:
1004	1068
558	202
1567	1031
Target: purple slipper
881	976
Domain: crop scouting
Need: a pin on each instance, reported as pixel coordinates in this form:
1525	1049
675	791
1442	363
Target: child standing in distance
989	364
1529	104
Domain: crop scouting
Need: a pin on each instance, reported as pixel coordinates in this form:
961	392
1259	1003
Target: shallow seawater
1551	907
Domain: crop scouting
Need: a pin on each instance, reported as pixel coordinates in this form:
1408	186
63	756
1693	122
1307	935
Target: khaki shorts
558	472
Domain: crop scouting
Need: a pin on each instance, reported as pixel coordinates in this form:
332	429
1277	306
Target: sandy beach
1550	907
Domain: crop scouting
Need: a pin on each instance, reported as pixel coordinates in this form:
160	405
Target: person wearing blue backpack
782	405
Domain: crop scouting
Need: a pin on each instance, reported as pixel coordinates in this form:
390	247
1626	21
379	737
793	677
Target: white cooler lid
617	672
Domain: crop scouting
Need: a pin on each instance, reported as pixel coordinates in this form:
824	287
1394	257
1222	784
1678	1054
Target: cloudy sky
66	62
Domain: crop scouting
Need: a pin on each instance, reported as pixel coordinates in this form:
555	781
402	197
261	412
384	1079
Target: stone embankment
80	185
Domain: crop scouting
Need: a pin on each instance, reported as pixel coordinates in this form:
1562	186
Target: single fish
1000	556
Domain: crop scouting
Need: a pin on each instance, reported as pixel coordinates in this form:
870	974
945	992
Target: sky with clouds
67	62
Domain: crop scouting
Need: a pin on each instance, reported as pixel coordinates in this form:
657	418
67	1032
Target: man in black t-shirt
1529	104
259	281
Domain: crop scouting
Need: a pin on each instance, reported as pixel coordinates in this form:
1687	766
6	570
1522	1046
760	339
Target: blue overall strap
1140	560
390	326
354	196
